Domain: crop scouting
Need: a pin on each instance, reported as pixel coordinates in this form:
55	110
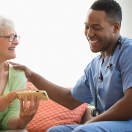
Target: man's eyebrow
93	24
97	25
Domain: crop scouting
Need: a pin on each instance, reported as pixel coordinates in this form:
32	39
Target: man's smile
94	43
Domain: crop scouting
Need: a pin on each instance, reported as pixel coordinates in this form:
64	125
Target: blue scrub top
115	80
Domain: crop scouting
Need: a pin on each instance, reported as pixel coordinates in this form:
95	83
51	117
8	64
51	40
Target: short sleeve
81	91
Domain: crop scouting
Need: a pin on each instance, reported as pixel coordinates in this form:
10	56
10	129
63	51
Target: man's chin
94	50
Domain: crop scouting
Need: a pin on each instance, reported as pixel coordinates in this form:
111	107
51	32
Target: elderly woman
14	114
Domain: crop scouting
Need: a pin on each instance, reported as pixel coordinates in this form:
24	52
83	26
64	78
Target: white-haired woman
14	114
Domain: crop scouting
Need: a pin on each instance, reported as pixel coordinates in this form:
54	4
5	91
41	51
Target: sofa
51	114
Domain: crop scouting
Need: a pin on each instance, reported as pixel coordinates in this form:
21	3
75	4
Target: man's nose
89	33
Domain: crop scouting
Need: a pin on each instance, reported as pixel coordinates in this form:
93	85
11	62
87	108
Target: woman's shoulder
17	78
15	73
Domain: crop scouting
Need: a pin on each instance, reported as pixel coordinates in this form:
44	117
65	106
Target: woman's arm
13	110
3	102
11	96
21	121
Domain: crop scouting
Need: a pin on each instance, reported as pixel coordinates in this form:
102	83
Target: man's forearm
120	111
56	93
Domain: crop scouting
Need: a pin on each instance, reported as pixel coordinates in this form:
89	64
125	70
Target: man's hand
27	71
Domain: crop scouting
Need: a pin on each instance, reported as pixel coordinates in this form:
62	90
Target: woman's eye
86	27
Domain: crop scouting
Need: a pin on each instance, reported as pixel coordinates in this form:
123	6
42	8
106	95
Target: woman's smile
12	49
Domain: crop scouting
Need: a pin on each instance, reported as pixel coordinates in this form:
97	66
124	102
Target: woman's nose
16	41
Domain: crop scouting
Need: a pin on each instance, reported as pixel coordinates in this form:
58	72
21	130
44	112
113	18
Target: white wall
53	42
126	28
52	37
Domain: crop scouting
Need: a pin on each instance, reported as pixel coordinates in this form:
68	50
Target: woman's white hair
5	23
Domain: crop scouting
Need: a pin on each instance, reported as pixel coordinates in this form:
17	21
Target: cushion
51	114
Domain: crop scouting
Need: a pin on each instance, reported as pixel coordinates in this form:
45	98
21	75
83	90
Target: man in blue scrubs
107	80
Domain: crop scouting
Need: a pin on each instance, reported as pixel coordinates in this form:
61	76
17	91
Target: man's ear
116	27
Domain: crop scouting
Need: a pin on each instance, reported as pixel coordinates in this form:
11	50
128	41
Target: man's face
98	31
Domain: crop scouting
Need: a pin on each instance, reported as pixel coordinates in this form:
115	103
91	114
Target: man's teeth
94	41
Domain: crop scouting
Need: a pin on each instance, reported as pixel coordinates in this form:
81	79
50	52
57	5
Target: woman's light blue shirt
115	80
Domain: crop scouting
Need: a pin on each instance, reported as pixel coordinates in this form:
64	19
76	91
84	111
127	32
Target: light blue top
115	80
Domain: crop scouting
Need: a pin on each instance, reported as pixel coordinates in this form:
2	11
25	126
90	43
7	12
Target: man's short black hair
112	9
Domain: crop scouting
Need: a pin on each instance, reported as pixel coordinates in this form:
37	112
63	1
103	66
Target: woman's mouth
11	49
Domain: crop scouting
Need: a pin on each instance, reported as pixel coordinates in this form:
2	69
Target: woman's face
7	48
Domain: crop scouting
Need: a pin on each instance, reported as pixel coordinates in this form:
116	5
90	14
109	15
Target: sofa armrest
87	115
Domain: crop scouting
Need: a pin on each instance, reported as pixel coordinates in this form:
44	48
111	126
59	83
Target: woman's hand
27	114
12	96
27	71
23	89
26	89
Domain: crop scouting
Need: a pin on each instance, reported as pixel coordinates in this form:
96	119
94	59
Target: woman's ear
116	27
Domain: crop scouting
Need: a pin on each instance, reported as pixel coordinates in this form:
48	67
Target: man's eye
97	28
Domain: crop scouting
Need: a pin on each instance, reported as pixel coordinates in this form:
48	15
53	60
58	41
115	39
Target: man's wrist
32	77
